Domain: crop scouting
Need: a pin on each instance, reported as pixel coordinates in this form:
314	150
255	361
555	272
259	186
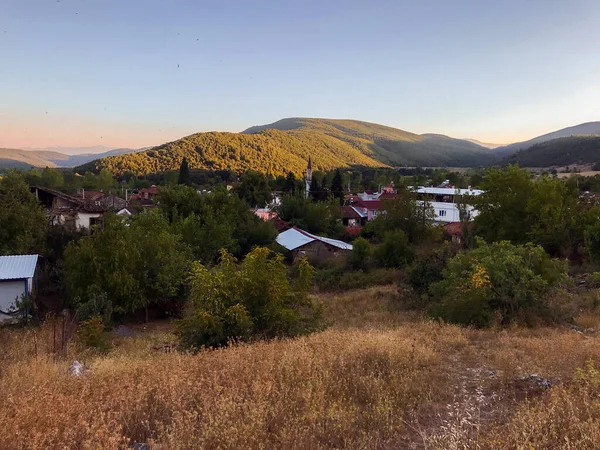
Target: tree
394	250
254	299
290	184
359	258
337	187
415	218
135	264
254	189
23	220
184	173
52	178
500	280
314	217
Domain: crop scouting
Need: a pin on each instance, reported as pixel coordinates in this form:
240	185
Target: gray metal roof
17	267
294	238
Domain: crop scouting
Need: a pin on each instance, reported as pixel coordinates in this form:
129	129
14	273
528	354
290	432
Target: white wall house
443	201
17	275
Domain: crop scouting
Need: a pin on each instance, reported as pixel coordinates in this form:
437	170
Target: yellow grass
377	378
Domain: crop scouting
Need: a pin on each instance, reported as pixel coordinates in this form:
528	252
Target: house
148	193
353	216
454	231
99	198
443	201
17	281
71	211
369	207
265	214
303	243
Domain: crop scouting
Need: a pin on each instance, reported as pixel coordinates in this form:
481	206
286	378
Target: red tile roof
350	213
370	204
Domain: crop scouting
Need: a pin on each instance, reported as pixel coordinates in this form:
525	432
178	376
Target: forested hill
287	144
559	152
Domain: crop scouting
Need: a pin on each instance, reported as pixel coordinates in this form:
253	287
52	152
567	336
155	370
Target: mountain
286	145
564	151
73	150
23	159
484	144
584	129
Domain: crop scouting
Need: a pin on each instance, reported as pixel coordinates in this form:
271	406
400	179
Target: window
441	212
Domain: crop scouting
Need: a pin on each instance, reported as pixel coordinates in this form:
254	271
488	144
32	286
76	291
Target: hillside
584	129
559	152
23	159
286	145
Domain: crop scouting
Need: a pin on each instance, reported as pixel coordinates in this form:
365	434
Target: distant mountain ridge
564	151
286	145
584	129
23	159
484	144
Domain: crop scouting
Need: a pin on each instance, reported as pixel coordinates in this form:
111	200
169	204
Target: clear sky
142	72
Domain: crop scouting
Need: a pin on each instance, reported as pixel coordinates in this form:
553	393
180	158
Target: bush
255	298
593	280
339	279
360	256
90	333
499	280
428	268
394	251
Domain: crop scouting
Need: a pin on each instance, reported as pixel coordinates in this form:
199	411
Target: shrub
498	280
428	268
95	304
360	256
594	280
90	333
592	242
338	279
394	251
255	298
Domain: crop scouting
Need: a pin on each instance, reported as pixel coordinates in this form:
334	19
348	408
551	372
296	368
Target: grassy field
378	377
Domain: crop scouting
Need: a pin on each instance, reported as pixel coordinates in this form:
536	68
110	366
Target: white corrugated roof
17	267
448	191
294	238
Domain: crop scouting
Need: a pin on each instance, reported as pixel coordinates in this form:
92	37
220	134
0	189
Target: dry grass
378	378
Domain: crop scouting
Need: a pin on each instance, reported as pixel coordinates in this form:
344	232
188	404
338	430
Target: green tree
184	173
360	256
254	189
52	178
23	220
415	218
337	187
135	264
253	299
394	250
291	184
314	217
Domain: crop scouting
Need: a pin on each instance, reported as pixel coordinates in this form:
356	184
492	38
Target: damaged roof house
72	212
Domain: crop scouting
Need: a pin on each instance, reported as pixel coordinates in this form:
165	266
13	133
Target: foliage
95	304
511	282
314	217
592	241
394	250
559	152
342	279
184	172
516	208
360	255
337	186
428	268
90	333
254	299
415	218
22	218
213	221
135	263
283	147
254	189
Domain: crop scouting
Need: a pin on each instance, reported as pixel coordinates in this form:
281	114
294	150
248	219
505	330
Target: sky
135	73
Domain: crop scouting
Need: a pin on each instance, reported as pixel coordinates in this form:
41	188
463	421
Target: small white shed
17	274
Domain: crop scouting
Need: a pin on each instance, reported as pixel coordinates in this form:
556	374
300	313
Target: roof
350	212
90	195
448	191
388	196
295	238
281	225
455	228
370	204
150	190
17	267
78	202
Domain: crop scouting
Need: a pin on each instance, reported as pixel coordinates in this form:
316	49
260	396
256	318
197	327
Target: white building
17	275
443	201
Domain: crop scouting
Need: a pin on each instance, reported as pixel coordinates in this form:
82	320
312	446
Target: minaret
308	177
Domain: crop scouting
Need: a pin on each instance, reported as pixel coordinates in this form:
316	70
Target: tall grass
386	381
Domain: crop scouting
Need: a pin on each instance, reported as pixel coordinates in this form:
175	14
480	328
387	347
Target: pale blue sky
86	72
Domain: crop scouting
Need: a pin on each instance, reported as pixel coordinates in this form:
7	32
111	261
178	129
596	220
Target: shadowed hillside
286	145
559	152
